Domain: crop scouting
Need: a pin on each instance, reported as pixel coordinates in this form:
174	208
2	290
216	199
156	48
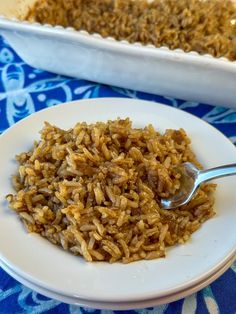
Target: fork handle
217	172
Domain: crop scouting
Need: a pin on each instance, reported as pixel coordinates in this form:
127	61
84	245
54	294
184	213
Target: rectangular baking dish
65	51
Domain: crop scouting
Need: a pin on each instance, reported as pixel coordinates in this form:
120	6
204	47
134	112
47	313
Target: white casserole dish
187	76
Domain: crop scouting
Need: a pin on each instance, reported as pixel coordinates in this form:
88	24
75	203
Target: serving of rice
207	26
95	190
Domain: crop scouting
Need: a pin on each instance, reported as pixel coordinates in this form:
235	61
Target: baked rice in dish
207	26
95	190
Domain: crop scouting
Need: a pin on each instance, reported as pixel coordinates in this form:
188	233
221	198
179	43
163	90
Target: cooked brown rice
207	26
95	190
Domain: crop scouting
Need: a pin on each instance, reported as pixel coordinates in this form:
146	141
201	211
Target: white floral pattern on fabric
210	301
190	304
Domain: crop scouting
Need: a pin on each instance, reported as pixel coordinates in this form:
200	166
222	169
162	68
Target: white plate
173	73
116	305
51	268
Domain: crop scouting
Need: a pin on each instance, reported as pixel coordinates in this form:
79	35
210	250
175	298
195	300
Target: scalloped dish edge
16	15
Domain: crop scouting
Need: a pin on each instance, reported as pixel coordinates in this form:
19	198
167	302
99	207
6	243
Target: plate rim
122	305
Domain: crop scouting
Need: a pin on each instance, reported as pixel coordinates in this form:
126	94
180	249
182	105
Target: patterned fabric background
24	90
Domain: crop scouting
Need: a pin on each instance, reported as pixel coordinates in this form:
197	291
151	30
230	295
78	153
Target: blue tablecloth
24	90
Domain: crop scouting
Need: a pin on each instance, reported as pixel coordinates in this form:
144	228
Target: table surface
24	90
